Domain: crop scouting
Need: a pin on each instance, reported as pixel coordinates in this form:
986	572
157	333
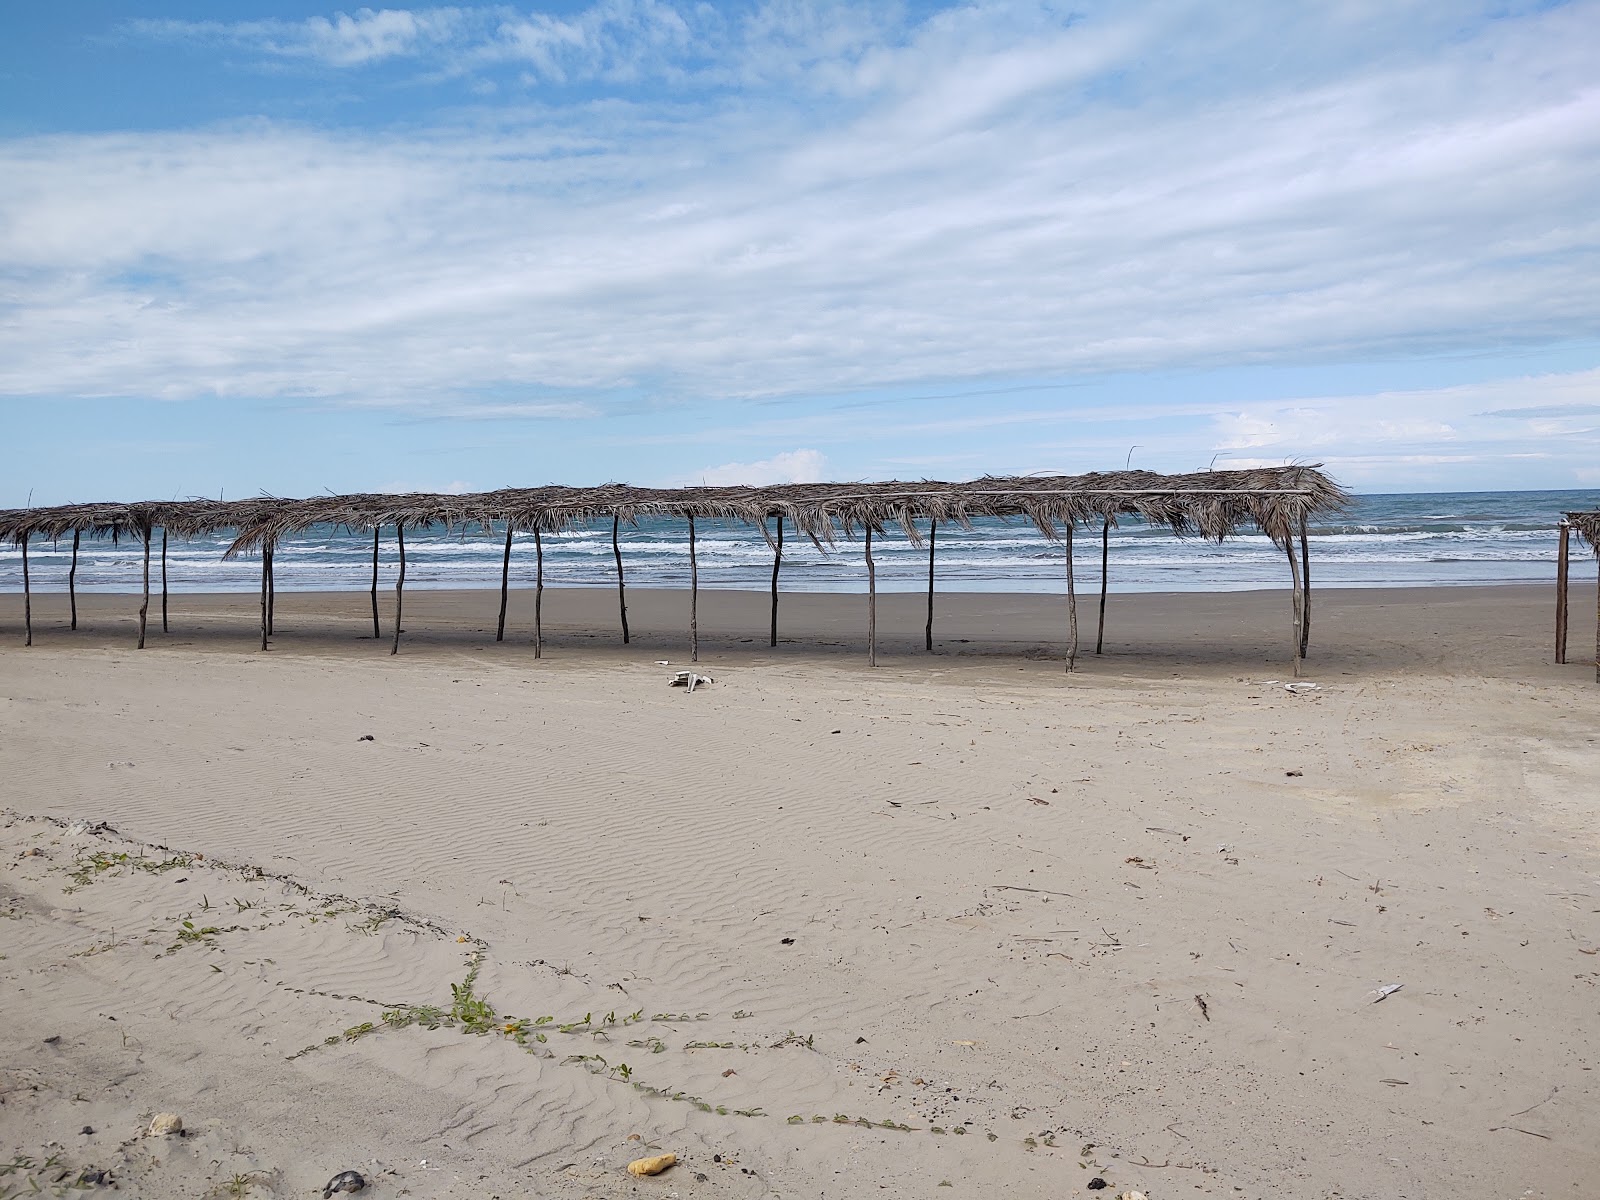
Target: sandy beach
475	924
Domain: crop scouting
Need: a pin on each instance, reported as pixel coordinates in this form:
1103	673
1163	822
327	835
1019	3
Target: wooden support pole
27	595
263	595
72	577
927	631
1072	608
1305	589
377	631
538	593
694	598
272	588
777	561
399	585
505	583
872	604
164	626
622	594
1597	617
144	609
1294	574
1105	572
1562	558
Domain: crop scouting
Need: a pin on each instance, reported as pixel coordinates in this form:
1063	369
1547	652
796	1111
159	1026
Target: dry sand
962	919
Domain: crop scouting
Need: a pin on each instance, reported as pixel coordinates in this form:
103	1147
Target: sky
290	248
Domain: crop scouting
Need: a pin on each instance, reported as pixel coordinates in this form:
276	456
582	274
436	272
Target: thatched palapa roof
1587	525
1212	504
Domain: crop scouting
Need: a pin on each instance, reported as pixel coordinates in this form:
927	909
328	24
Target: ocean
1409	540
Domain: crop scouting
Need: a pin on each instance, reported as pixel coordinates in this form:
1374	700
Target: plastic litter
653	1165
688	679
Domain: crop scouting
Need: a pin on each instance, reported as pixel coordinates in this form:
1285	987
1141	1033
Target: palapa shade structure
1587	527
1280	501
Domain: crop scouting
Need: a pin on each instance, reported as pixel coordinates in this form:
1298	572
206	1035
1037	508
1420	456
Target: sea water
1382	541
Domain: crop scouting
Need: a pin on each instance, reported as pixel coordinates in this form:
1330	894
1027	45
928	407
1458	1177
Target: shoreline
1505	630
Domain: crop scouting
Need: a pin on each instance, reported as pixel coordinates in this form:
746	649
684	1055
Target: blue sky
289	248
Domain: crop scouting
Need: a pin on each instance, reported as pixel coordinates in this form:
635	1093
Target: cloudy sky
285	247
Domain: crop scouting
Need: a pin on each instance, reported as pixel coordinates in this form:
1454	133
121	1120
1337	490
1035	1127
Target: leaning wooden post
1105	571
1561	593
144	609
164	628
27	594
1294	574
777	561
399	585
872	605
933	537
1305	589
72	578
377	632
622	594
538	593
505	582
1072	607
264	595
694	598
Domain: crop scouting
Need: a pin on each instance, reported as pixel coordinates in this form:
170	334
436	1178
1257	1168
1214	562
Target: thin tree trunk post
1561	593
777	561
399	585
694	598
505	582
1072	608
144	608
263	595
538	593
72	577
1105	572
1597	618
164	627
1305	589
872	604
27	595
622	594
1294	574
377	631
272	588
933	538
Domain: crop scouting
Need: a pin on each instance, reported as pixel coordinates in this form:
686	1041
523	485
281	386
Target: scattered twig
1515	1129
1541	1103
1011	887
1205	1010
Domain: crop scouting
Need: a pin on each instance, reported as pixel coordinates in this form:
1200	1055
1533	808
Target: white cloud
998	191
792	466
